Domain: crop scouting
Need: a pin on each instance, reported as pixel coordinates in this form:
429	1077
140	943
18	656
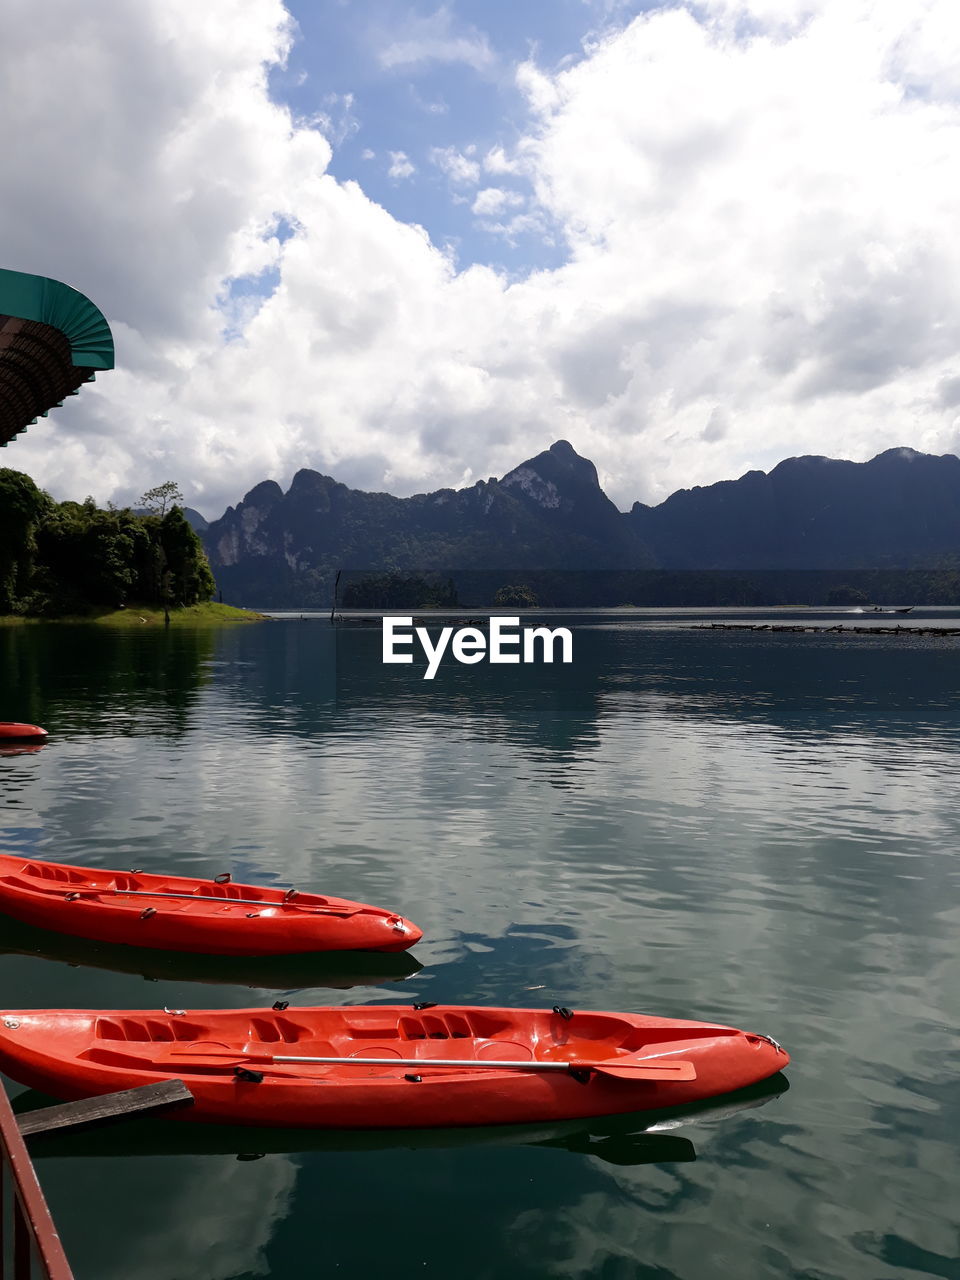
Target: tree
516	597
160	500
22	509
91	557
187	578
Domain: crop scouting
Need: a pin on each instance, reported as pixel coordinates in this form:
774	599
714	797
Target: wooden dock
30	1247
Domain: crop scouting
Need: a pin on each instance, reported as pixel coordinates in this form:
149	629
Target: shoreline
198	615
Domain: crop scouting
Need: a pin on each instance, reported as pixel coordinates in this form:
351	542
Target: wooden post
35	1249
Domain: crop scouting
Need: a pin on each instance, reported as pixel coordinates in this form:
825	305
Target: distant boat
877	609
10	731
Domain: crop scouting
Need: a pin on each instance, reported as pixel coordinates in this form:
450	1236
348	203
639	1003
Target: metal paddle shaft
243	902
665	1071
476	1063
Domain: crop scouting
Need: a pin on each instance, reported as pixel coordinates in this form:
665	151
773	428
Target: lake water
757	829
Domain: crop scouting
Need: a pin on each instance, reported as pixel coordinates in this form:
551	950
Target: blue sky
411	245
416	79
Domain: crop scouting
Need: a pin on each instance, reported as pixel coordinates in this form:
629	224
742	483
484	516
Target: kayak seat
590	1026
432	1026
437	1025
277	1030
150	1030
46	871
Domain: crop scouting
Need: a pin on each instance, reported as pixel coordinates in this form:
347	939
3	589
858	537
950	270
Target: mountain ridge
899	509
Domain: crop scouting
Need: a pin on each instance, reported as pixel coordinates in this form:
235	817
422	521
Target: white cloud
493	200
400	165
460	167
435	38
337	120
759	205
497	161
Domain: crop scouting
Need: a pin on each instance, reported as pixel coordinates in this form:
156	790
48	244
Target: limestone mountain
899	510
277	548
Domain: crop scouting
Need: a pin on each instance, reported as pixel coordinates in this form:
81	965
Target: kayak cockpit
455	1033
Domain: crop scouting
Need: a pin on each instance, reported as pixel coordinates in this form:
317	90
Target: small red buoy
11	732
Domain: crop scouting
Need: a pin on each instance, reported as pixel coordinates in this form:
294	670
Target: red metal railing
30	1248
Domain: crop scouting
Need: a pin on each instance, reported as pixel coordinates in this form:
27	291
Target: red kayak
180	913
9	731
387	1066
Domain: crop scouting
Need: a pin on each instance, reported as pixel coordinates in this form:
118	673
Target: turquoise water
757	829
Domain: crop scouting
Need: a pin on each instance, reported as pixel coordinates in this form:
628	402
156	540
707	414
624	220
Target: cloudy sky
410	244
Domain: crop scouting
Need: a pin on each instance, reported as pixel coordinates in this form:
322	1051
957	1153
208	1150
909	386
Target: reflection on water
754	829
343	969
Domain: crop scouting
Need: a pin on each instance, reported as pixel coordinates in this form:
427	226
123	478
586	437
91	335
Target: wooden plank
108	1106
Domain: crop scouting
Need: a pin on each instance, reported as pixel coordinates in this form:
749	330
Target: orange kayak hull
12	732
183	913
73	1054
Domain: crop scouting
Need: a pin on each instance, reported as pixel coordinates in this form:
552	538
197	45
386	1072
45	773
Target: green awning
50	302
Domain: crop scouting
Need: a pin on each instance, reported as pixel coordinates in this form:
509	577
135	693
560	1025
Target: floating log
108	1106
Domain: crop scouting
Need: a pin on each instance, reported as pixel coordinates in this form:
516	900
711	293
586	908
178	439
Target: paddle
633	1070
224	902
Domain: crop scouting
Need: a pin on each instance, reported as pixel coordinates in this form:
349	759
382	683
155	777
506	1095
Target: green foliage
399	591
90	557
71	557
22	509
158	501
187	577
515	597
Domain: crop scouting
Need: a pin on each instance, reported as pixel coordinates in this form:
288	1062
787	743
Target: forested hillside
61	558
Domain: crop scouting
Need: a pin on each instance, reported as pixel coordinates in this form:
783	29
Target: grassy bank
197	615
